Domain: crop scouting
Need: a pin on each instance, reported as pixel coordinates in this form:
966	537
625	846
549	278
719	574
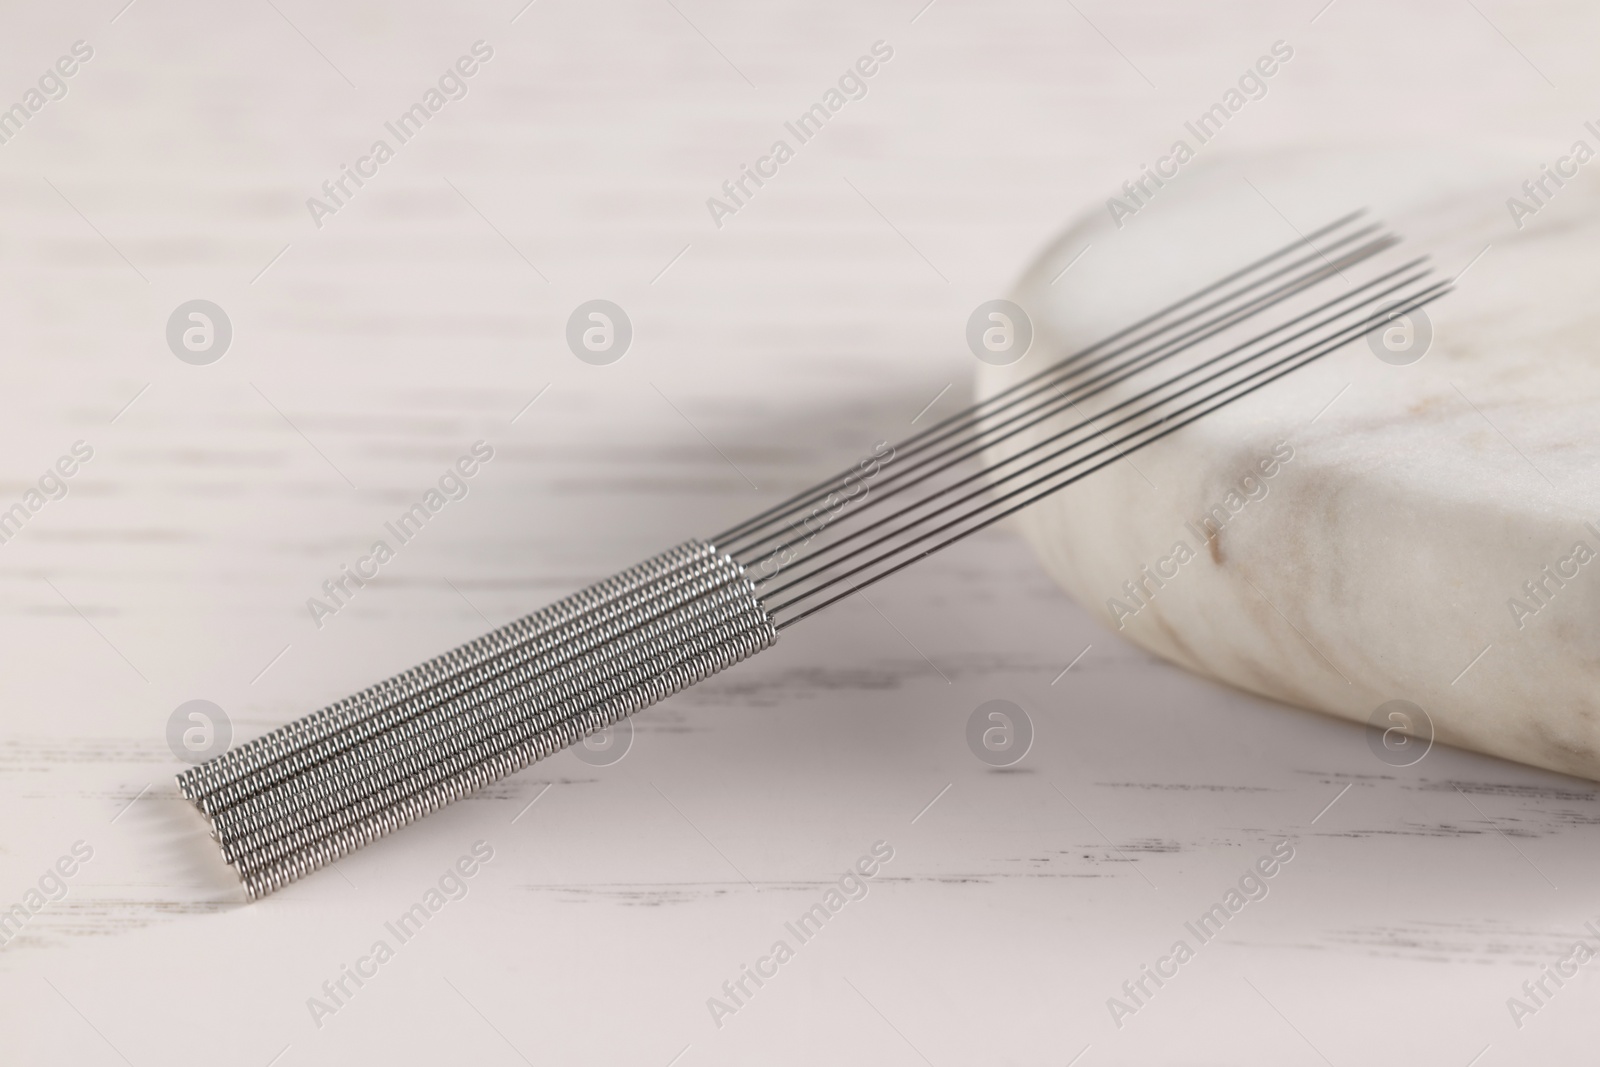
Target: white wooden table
827	312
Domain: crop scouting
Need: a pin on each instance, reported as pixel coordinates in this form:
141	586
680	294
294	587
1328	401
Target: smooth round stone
1430	533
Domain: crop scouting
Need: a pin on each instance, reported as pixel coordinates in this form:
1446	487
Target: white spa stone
1389	554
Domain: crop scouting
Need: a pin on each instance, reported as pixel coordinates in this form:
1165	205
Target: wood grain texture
825	314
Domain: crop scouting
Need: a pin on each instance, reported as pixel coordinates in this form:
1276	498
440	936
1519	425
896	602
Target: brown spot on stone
1216	549
1427	405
